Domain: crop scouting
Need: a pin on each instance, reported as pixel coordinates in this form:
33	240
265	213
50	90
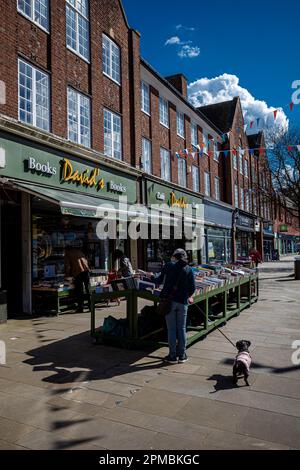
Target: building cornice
53	141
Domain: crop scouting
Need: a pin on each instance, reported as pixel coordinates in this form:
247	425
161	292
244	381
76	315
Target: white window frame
194	134
145	97
164	112
242	198
196	177
163	154
146	165
236	195
86	18
34	96
182	172
111	44
216	155
112	115
79	137
247	201
241	163
207	186
246	168
217	189
31	18
180	124
205	141
234	161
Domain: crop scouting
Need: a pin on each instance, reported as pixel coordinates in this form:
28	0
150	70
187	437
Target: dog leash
218	328
226	338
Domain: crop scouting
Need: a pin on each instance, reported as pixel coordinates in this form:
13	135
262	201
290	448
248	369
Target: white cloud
226	87
172	41
189	52
186	28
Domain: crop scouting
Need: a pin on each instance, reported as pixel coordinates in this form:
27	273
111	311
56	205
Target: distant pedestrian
125	267
77	266
255	256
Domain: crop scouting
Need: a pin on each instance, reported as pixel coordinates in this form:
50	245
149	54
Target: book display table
209	311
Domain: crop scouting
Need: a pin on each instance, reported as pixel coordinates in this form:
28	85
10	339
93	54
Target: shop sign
244	221
88	178
117	188
172	198
26	161
160	196
283	228
38	167
268	228
181	202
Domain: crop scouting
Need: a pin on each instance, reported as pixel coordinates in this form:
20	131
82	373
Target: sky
247	48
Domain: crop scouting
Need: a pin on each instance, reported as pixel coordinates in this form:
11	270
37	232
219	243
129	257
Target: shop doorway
11	251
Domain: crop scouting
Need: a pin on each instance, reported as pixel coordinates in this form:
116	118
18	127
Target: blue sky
257	41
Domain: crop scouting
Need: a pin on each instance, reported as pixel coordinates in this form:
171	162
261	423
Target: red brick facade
21	38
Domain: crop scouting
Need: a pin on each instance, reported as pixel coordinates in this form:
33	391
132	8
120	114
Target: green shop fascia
155	194
50	199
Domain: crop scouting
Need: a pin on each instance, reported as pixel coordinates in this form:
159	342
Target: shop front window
52	233
218	245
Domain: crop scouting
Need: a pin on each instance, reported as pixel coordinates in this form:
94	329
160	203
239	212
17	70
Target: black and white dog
242	362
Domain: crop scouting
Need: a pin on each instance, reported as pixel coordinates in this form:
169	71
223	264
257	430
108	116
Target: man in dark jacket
179	286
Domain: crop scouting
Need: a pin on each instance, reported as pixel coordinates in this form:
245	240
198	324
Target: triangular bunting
290	148
245	127
251	124
298	148
291	105
275	114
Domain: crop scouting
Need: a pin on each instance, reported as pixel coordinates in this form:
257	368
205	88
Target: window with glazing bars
77	27
196	183
165	164
182	172
146	156
112	135
163	112
180	124
36	11
111	59
33	96
145	97
79	119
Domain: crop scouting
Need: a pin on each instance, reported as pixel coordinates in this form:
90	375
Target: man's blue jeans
176	323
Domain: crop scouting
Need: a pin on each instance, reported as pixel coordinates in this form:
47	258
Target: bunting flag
251	124
298	148
291	105
177	155
193	155
290	148
226	152
251	153
257	122
234	151
275	114
261	151
186	152
245	127
201	153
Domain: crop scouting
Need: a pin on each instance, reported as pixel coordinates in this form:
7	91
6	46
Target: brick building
69	137
83	120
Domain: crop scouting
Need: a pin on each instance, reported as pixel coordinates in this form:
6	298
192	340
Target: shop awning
75	204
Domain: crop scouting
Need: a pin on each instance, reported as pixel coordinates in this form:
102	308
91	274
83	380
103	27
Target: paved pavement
59	391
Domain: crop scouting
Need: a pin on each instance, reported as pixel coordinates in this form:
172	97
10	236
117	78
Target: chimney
179	81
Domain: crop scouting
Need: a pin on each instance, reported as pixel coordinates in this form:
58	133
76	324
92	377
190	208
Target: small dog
242	362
